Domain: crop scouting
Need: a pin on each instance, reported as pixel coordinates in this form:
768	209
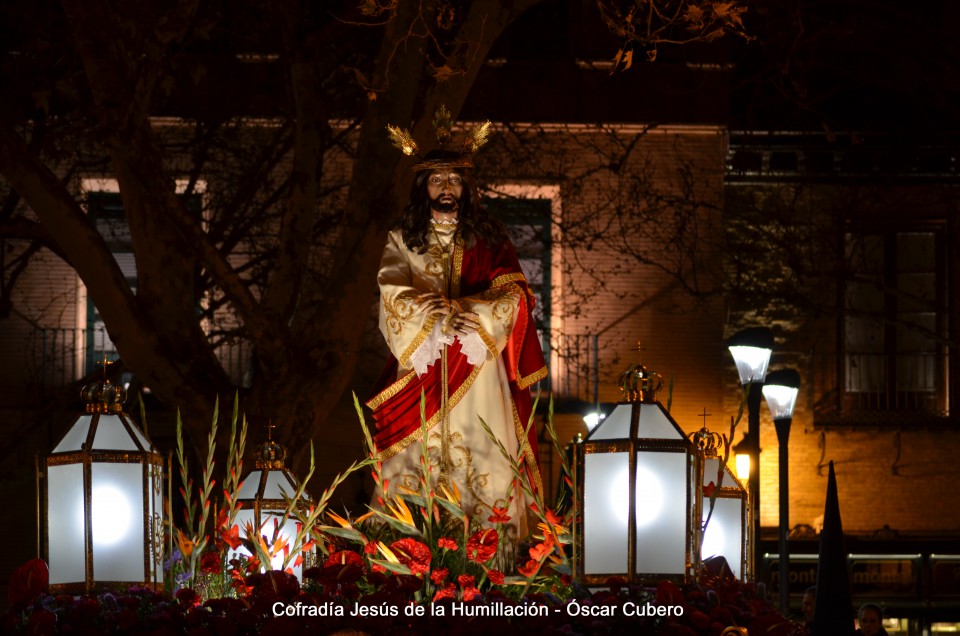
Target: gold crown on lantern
270	455
707	442
640	384
443	157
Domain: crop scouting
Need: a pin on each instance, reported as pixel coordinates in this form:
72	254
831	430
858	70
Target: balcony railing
61	356
881	389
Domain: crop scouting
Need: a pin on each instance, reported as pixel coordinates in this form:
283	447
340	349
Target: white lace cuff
429	350
472	346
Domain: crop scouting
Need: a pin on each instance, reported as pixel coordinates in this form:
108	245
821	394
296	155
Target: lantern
637	492
726	533
264	501
103	500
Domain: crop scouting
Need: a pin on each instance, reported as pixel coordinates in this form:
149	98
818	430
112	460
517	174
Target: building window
105	209
528	225
106	212
894	322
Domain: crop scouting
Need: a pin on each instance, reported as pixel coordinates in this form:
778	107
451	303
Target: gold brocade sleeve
401	281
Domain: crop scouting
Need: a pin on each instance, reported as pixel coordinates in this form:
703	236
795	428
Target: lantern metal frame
639	386
269	472
104	407
730	488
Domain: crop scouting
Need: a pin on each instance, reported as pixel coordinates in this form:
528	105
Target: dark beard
444	207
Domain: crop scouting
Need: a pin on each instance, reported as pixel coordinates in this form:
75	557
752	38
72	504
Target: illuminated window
894	322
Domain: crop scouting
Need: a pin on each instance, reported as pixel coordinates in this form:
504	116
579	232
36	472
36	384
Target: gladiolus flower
499	515
482	545
541	550
529	569
231	537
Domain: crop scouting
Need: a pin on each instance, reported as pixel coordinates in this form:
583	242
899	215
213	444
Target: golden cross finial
270	427
704	415
105	362
639	349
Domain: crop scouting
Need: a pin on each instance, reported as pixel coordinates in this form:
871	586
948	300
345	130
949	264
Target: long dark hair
473	220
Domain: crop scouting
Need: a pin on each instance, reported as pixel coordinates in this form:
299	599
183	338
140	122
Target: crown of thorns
461	157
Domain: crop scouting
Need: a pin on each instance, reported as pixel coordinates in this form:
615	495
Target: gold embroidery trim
399	309
488	341
413	437
528	455
507	278
381	397
456	266
536	376
418	340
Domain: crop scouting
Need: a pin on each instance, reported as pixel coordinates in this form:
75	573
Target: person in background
809	604
870	619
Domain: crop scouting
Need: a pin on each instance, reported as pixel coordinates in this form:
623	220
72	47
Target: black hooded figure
833	613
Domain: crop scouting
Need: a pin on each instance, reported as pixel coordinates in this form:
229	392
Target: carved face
444	189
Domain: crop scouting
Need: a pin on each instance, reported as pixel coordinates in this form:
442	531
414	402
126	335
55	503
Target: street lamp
780	391
751	349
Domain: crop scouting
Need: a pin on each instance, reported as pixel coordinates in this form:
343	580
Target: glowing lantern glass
264	501
726	534
103	500
637	492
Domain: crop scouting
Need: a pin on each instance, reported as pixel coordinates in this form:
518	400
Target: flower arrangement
415	563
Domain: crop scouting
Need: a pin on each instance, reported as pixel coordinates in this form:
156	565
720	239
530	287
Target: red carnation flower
450	591
496	577
470	593
482	545
466	580
370	547
413	554
210	562
437	576
447	543
27	583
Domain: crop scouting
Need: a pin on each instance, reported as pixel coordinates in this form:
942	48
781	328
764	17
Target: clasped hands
455	320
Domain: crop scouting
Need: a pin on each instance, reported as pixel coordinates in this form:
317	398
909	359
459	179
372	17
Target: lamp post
751	349
780	391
